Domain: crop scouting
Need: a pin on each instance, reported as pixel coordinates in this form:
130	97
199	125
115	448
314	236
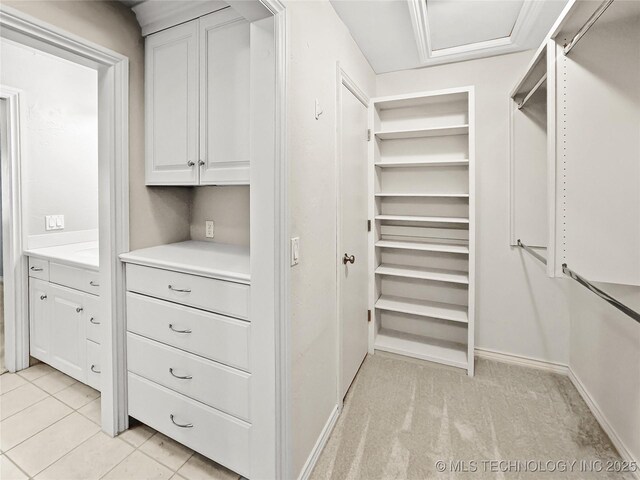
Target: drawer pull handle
94	321
43	297
178	331
94	369
94	284
186	377
36	269
183	290
185	425
79	309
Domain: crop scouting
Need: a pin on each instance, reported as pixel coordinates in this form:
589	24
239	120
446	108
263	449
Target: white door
352	256
39	319
68	333
224	94
171	97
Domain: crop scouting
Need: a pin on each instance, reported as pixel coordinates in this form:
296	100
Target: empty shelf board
435	274
423	308
423	132
424	163
415	218
425	348
423	246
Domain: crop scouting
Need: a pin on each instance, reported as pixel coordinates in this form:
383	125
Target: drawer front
77	278
218	296
223	339
93	318
218	436
93	365
39	268
216	385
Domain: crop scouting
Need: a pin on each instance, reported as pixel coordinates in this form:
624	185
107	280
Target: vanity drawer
93	318
39	268
93	365
219	296
216	385
214	434
72	277
223	339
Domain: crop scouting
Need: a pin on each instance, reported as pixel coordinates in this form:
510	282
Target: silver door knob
190	163
348	259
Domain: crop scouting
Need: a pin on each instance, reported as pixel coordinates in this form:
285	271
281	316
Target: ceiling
402	34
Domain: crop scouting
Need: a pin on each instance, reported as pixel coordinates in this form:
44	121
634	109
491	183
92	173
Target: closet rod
605	296
532	91
532	252
585	28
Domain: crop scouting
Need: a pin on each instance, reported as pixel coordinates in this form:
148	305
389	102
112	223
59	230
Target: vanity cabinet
197	102
64	319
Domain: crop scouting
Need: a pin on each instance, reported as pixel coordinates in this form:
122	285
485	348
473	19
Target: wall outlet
295	251
54	222
208	229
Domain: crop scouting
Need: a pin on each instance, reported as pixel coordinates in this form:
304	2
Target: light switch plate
295	251
209	228
54	222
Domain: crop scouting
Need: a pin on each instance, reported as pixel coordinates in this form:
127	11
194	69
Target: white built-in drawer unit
76	278
216	337
188	339
206	293
217	385
210	432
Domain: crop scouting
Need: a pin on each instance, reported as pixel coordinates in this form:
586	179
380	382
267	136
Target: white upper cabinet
224	99
172	106
197	102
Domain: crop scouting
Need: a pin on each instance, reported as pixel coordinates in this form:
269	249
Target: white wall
157	215
519	310
605	357
317	39
228	207
60	137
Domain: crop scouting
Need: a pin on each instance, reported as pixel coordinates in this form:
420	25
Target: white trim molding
16	302
526	34
521	361
113	191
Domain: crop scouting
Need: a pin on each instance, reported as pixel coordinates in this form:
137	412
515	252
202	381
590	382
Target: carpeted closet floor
402	416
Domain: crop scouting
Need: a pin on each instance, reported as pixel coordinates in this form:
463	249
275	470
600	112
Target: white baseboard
602	420
319	446
522	361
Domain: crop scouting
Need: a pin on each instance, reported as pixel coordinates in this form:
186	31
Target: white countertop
81	255
206	259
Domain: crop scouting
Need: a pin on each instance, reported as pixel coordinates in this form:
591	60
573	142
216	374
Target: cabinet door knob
43	297
190	163
181	425
79	309
348	259
201	163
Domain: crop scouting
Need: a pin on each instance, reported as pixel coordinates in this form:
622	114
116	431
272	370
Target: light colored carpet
401	416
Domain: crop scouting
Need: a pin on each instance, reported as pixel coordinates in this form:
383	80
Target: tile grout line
16	465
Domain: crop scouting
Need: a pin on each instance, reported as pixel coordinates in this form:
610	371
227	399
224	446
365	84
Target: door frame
16	302
113	199
343	79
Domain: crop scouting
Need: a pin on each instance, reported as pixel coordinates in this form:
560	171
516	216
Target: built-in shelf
415	218
423	132
435	274
425	348
424	195
423	308
423	246
424	163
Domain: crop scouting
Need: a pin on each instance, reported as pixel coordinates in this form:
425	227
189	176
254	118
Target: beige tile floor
50	430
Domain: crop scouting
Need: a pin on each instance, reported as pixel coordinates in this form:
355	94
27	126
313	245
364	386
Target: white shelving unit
422	248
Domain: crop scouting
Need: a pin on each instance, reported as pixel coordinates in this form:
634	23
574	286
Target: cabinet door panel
39	319
68	337
171	96
224	93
